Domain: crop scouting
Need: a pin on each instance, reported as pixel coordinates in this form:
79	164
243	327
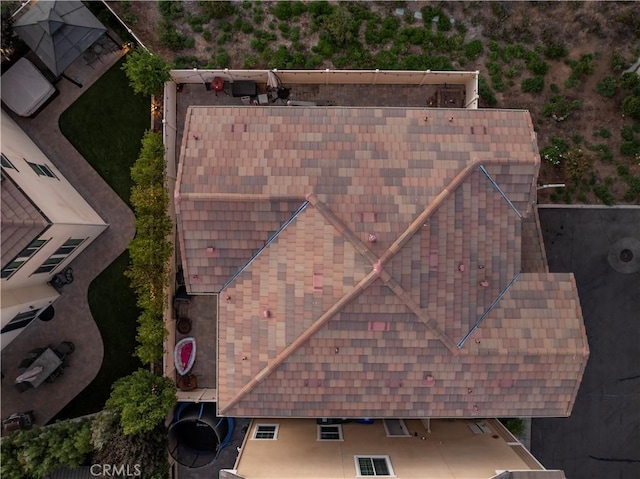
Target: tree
142	400
39	452
147	73
631	106
112	446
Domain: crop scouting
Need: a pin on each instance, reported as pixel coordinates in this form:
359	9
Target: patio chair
89	57
64	349
55	375
22	387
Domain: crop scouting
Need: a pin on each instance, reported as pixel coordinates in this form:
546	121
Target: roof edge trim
267	243
499	190
489	309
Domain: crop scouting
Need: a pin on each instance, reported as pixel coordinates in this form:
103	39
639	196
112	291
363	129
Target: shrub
473	49
555	50
555	152
130	18
142	400
282	10
223	60
169	36
217	9
576	163
631	106
514	425
607	87
582	67
183	62
149	250
444	23
617	62
298	8
537	65
206	35
485	91
249	62
603	132
147	73
559	107
603	193
533	85
386	60
630	81
413	35
39	452
171	10
339	26
554	88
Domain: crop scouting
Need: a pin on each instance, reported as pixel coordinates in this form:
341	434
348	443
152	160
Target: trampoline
197	435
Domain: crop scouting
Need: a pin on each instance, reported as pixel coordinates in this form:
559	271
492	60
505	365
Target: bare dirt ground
596	28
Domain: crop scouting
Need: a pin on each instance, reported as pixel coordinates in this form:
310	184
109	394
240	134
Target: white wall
56	197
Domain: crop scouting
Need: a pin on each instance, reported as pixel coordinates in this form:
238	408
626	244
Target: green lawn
106	125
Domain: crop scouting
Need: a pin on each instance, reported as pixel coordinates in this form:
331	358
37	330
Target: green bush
556	151
537	65
170	9
607	87
630	81
386	60
129	18
206	35
604	194
39	452
147	73
217	9
617	62
298	8
413	35
444	23
559	107
249	62
514	425
485	91
142	400
533	84
603	132
150	251
582	67
555	50
554	88
339	25
473	49
223	60
170	37
184	62
631	106
282	10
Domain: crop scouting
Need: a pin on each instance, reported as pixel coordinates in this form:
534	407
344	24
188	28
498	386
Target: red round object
217	84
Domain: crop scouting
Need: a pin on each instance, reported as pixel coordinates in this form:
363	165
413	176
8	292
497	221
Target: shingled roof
369	263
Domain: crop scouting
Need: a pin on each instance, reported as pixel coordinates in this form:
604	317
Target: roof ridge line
300	340
402	240
399	243
415	308
342	228
234	196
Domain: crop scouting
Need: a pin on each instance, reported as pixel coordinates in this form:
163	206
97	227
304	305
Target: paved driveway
601	439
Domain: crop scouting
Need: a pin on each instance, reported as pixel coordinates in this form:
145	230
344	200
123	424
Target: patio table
48	362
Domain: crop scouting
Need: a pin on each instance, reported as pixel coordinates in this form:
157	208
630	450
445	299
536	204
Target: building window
6	163
22	258
20	321
60	255
41	169
367	466
395	428
331	432
265	431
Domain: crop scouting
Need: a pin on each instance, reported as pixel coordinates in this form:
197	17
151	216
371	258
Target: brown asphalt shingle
323	322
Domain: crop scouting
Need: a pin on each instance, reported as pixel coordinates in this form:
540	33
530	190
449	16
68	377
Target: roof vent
318	281
210	252
393	383
372	238
313	383
266	314
195	278
462	267
429	380
379	326
484	283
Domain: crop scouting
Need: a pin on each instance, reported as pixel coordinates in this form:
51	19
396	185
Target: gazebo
58	32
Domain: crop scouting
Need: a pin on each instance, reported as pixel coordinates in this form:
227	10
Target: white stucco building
46	223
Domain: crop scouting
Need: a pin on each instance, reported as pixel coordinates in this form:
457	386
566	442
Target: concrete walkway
73	320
